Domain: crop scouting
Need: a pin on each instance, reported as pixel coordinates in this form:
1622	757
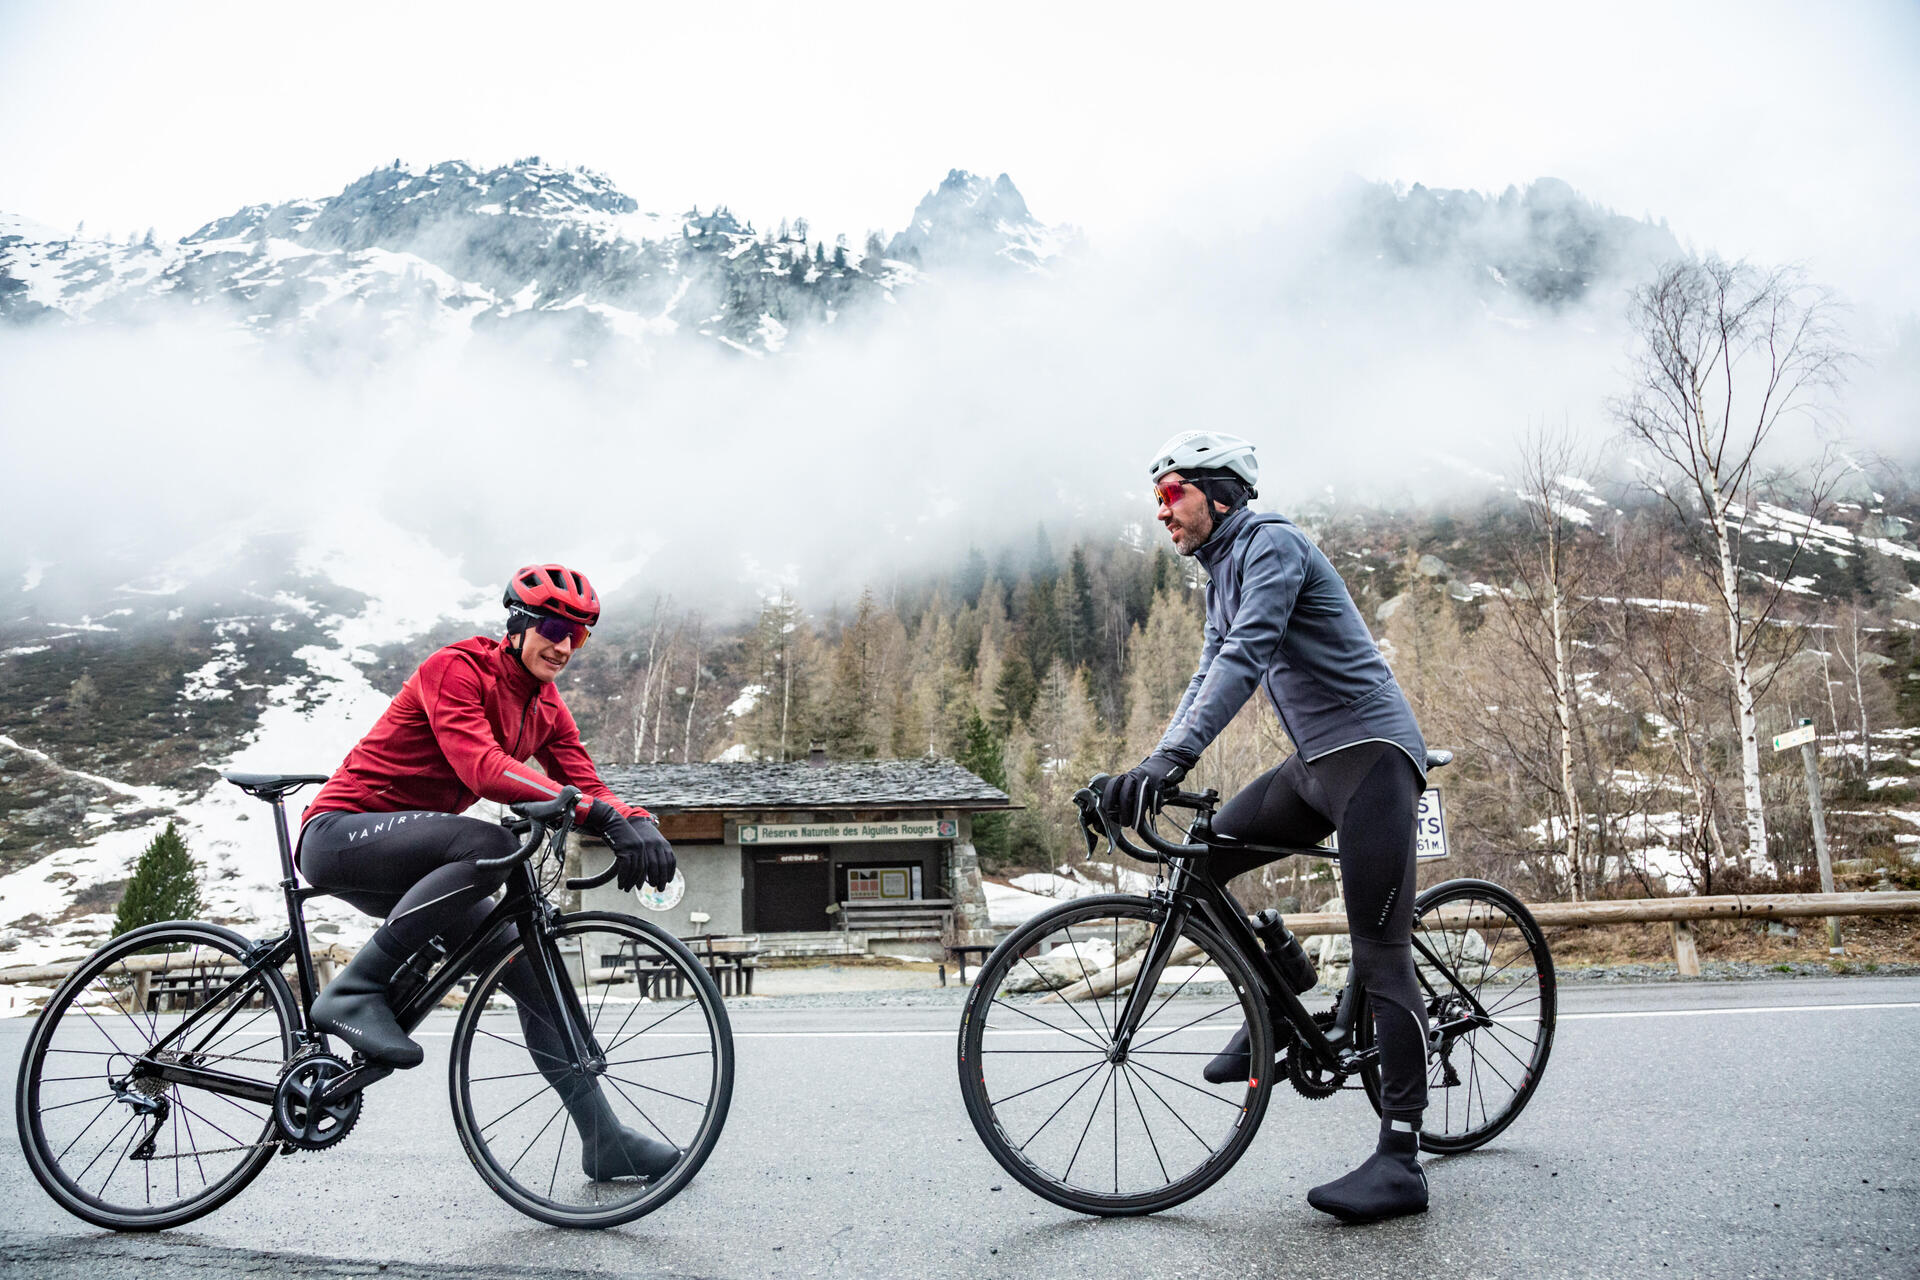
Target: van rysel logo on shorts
1387	910
366	833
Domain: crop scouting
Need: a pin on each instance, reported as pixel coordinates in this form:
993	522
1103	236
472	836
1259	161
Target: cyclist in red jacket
386	834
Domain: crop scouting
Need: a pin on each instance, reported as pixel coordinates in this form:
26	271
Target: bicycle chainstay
144	1150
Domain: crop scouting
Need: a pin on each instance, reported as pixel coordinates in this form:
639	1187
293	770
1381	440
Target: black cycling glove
1131	795
643	853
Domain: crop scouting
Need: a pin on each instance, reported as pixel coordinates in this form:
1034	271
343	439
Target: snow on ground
1008	906
308	725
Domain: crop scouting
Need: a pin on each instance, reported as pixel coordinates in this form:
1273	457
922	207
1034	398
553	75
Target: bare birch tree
1724	354
1544	608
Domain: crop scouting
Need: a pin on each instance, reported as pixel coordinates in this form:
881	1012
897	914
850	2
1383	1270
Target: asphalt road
1732	1129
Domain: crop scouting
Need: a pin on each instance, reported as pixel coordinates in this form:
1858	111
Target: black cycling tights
415	869
1369	793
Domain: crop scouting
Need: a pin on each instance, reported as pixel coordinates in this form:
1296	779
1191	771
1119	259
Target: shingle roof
863	784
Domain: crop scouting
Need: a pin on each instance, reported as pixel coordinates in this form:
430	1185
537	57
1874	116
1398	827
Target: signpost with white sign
1803	738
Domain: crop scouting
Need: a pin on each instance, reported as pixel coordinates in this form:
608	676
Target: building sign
848	832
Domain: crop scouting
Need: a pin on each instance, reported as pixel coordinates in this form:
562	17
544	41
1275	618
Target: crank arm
344	1087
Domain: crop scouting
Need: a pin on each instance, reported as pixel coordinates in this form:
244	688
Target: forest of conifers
1041	667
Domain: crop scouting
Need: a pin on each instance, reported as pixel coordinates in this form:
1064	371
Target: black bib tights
415	869
1369	793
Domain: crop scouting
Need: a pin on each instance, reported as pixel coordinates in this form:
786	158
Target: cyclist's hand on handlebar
642	852
1130	797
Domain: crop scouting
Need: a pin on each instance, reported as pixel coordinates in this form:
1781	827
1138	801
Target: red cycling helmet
554	590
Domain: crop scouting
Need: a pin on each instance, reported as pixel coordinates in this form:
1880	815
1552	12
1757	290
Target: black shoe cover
609	1150
1389	1185
354	1007
1230	1063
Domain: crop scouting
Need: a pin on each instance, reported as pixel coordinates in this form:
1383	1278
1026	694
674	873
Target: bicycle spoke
1086	977
1186	1085
1067	1173
692	1102
642	1110
515	1107
1144	1128
1073	1006
1069	1034
536	1137
1170	1111
89	1125
1211	1013
1057	1110
1091	1066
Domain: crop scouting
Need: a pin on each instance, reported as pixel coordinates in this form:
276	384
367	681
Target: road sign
1430	826
1794	737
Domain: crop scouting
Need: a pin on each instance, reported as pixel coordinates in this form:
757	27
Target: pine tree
984	755
163	886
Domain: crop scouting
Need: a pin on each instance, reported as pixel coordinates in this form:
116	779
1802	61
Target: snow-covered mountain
405	256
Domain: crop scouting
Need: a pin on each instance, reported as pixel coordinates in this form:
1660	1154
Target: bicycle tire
35	1102
985	1112
1523	1037
498	1174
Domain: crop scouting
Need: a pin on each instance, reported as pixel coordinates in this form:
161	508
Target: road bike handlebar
540	819
1090	800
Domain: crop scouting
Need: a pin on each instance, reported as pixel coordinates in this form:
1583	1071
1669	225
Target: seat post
286	844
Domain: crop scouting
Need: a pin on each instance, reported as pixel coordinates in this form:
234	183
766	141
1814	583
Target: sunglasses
1167	492
554	630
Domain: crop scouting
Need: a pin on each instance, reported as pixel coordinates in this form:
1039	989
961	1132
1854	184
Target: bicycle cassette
304	1122
1309	1078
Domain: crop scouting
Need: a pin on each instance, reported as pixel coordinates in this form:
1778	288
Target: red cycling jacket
458	732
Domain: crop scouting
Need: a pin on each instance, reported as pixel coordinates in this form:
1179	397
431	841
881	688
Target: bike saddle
271	786
1437	757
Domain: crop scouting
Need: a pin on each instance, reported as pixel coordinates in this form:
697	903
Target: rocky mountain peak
969	221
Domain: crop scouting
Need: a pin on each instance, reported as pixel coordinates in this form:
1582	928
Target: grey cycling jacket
1279	616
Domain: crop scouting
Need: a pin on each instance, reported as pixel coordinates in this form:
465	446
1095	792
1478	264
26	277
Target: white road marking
1222	1026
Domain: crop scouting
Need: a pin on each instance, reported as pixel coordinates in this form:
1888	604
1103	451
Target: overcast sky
1769	130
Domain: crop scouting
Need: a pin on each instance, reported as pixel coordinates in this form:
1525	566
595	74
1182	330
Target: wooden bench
895	913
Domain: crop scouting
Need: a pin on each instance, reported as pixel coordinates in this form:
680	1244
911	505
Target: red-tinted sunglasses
554	630
1167	492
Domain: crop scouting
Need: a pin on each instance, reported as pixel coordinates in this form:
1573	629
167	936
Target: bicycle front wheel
1062	1108
1487	975
107	1133
660	1064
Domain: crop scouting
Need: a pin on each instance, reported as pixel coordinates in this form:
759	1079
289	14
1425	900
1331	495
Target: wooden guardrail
1680	912
325	958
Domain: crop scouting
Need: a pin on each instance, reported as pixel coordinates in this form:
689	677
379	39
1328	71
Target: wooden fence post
142	984
1686	954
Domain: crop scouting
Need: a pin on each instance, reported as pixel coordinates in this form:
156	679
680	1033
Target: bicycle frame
523	905
1190	887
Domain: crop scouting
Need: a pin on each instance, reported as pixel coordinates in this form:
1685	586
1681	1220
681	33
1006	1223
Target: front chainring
305	1123
1309	1078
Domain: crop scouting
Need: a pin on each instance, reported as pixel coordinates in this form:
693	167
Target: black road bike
1086	1035
175	1062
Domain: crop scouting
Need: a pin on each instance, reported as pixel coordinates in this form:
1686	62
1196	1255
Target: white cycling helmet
1206	451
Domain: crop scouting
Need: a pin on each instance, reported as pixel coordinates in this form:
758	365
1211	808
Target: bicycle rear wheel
1485	969
113	1142
1094	1130
663	1066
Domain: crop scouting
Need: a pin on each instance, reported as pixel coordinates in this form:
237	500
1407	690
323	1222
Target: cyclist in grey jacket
1280	618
